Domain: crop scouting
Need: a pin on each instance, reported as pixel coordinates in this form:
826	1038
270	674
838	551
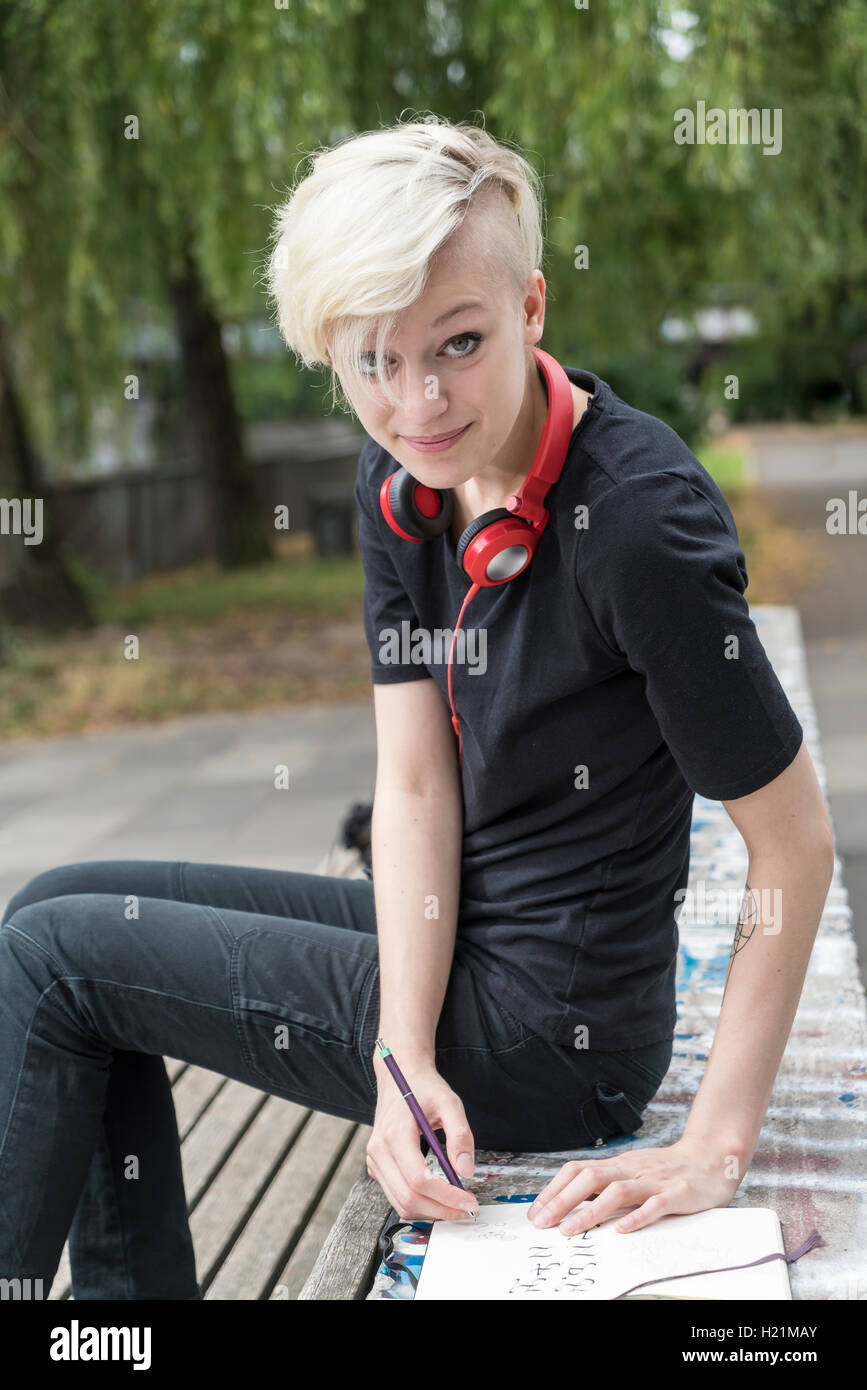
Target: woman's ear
533	307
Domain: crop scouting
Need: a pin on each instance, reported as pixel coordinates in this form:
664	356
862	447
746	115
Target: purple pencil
418	1114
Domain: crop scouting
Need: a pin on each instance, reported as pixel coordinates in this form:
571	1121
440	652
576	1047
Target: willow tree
642	227
210	112
38	228
135	153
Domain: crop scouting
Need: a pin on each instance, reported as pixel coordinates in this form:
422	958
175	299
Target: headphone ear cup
495	547
420	511
476	525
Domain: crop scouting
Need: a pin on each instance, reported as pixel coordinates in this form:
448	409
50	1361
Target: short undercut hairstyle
352	244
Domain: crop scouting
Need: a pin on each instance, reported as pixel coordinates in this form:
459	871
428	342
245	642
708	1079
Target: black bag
355	832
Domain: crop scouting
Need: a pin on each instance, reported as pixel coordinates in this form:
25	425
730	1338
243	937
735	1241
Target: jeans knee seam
37	945
124	987
221	922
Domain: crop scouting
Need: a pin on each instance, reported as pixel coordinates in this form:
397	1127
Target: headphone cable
473	590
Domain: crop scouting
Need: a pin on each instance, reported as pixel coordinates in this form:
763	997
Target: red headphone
498	545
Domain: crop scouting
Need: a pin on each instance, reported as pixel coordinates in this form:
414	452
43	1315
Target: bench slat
216	1134
228	1202
300	1263
62	1284
348	1259
192	1094
249	1269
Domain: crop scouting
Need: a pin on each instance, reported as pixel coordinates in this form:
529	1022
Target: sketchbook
503	1256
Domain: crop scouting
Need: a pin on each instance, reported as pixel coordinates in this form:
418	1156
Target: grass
726	465
204	640
201	593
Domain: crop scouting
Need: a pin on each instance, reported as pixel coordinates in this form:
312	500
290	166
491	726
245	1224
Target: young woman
517	946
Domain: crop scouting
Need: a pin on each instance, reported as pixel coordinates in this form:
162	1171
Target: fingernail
468	1216
569	1228
465	1165
542	1216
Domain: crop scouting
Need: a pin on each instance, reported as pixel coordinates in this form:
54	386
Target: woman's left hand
690	1175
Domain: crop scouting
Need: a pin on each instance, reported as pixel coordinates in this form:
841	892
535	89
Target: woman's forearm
777	925
416	854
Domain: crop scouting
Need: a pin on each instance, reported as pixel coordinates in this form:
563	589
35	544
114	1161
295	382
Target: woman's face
459	361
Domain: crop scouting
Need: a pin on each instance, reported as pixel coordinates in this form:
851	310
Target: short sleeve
386	604
660	568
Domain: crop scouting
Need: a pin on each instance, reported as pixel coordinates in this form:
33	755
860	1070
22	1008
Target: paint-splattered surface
811	1162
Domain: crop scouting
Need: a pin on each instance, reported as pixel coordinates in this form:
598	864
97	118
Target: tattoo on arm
747	919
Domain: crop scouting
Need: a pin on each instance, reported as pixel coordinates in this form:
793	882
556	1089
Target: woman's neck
476	496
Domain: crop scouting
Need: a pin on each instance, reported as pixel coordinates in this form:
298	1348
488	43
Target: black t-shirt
618	675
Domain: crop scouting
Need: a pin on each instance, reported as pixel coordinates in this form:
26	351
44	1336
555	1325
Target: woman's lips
433	446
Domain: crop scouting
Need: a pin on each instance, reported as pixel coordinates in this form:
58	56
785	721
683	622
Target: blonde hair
353	242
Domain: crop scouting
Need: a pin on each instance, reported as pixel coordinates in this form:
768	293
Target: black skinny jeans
267	976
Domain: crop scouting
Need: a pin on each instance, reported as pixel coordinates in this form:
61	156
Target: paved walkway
197	788
797	469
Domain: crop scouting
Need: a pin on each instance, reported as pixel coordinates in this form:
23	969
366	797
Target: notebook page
503	1256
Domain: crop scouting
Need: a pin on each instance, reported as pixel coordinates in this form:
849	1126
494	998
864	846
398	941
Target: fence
128	524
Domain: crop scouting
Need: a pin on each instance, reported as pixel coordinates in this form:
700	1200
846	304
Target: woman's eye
472	338
368	365
368	360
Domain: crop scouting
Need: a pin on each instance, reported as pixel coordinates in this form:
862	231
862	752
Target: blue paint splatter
707	970
848	1098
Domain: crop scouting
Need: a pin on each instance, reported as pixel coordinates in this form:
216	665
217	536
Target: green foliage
800	376
727	467
655	384
272	389
331	585
230	97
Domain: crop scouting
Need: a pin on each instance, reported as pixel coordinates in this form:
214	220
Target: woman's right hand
394	1158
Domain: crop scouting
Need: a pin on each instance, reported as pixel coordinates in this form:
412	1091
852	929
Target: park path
196	788
795	469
